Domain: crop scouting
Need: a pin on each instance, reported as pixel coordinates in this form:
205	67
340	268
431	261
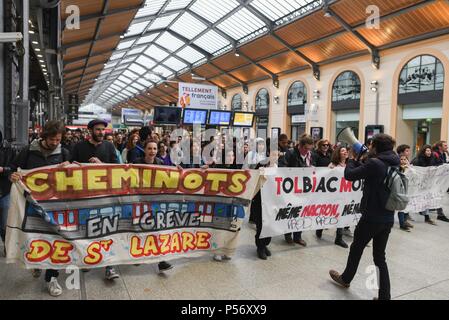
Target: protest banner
99	215
427	187
301	199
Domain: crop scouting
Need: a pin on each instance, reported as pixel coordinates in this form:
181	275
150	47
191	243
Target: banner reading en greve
99	215
301	199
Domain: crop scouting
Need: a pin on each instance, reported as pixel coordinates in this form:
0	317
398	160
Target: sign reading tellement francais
301	199
98	215
199	96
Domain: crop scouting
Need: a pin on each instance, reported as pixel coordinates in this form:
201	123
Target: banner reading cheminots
99	215
301	199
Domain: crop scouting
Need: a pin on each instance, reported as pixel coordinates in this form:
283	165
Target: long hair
336	157
129	144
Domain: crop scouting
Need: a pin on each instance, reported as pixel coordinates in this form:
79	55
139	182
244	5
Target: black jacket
7	154
423	161
293	159
157	161
320	159
32	156
373	171
85	150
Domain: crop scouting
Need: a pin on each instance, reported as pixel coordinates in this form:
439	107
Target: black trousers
363	233
296	235
50	273
256	214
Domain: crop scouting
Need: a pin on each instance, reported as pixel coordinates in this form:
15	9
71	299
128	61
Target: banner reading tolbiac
99	215
301	199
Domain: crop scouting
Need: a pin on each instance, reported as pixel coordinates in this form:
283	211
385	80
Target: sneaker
164	266
54	289
341	243
225	257
36	273
443	218
408	224
217	257
430	221
261	254
337	278
300	242
111	274
405	228
347	232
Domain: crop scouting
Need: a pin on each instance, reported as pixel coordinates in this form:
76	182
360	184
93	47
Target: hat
94	122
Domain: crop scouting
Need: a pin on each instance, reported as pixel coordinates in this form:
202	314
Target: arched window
346	87
297	94
262	99
236	103
422	73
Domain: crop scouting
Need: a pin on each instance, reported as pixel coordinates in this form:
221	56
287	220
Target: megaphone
347	136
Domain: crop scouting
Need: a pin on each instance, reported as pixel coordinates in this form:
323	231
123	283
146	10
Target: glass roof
168	37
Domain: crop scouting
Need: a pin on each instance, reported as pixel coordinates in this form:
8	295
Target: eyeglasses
325	145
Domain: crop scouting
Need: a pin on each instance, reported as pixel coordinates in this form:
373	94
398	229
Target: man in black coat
43	152
376	221
300	156
96	150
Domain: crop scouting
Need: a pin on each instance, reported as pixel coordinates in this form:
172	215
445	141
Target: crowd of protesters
58	145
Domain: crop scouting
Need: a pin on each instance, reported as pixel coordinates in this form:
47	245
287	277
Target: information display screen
167	115
243	119
194	116
220	118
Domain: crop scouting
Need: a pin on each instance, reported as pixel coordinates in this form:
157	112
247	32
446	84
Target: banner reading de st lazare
99	215
301	199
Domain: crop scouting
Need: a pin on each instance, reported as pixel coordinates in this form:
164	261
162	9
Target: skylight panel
214	10
162	22
151	7
136	28
147	39
211	41
163	71
170	42
156	53
145	61
125	44
177	4
175	64
241	24
137	69
189	54
194	28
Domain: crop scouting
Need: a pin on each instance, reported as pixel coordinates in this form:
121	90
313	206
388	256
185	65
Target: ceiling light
41	61
40	56
237	54
31	31
37	49
35	42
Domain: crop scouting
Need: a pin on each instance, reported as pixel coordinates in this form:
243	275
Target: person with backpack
43	152
376	221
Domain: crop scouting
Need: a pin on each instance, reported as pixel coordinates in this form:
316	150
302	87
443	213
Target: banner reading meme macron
99	215
301	199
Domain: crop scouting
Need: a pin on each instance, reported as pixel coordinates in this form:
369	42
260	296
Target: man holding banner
301	156
40	153
376	221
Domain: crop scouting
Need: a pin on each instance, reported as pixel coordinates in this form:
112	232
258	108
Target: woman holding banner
338	159
150	150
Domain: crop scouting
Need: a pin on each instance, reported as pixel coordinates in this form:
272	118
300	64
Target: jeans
363	233
50	273
4	207
401	216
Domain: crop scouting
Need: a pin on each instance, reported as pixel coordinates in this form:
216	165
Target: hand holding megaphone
347	136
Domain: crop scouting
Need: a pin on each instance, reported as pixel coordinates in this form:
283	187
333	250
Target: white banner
427	187
300	199
198	96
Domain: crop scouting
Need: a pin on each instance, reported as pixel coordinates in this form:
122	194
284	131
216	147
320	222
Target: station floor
418	263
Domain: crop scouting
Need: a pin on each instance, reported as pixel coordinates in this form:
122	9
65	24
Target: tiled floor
418	264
